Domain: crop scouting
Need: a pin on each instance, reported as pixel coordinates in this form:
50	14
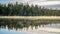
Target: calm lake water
9	26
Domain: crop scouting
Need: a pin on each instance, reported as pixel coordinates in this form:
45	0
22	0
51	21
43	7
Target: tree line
26	10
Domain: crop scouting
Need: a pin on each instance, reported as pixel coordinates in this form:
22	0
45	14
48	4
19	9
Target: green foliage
26	10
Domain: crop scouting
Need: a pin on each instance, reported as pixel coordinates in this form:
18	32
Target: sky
35	2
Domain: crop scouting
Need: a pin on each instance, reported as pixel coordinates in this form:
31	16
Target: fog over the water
46	3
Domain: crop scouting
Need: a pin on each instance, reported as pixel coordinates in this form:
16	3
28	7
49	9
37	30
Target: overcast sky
35	2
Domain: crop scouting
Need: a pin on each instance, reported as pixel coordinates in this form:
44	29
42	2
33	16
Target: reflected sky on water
29	27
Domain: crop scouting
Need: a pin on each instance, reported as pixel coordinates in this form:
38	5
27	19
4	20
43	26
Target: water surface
9	26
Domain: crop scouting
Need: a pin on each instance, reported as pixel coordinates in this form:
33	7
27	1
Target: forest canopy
26	10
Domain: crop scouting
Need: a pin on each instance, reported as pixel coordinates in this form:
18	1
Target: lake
11	26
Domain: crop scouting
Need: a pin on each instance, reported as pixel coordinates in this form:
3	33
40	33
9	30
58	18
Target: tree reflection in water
20	24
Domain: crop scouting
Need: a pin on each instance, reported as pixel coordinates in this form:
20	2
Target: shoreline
32	17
